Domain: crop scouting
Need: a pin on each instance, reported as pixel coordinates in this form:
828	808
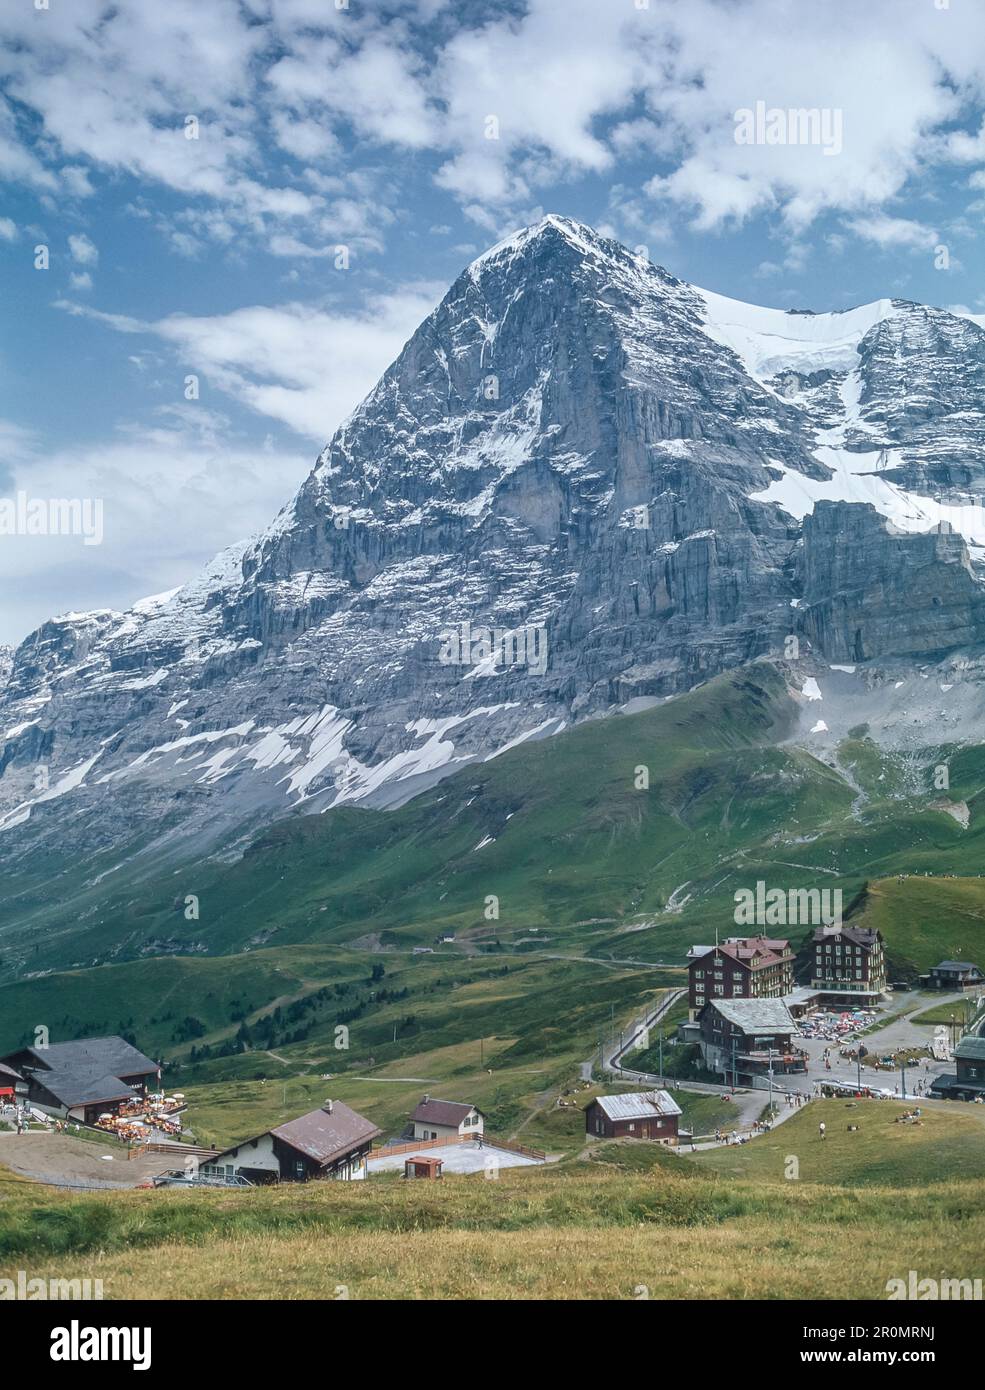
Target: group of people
22	1123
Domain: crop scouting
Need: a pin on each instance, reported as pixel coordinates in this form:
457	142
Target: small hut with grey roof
638	1115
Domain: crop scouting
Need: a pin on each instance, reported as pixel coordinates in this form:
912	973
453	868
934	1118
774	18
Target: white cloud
173	495
83	251
893	232
307	368
566	89
8	229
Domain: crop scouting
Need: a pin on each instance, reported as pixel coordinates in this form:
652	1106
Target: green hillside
560	839
567	836
949	1143
927	919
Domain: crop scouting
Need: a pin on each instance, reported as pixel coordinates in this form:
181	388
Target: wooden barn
639	1115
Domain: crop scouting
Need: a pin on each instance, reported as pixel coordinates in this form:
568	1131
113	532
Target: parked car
177	1177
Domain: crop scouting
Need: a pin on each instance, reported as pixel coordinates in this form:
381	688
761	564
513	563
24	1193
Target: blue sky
412	133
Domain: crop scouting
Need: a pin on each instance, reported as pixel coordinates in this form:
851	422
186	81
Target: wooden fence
178	1150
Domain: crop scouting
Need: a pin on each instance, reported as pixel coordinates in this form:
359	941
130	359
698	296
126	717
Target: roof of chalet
83	1086
756	1015
860	936
112	1056
756	952
441	1112
324	1135
638	1105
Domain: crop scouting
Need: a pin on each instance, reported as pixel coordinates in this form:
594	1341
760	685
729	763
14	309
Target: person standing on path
820	1129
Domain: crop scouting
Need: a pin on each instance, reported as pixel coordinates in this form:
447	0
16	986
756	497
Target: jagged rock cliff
639	483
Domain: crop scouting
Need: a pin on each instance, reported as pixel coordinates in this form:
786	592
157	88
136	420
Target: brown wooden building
744	967
849	964
744	1038
422	1166
82	1079
956	974
639	1115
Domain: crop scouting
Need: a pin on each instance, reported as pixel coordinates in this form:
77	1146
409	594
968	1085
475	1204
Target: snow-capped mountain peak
581	482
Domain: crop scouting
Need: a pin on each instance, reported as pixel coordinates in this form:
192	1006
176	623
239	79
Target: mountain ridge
573	442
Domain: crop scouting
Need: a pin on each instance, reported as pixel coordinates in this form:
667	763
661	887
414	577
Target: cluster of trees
294	1023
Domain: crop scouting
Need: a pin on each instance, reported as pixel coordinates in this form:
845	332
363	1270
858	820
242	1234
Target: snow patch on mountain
770	341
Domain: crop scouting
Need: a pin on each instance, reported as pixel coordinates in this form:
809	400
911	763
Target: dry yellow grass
588	1231
743	1259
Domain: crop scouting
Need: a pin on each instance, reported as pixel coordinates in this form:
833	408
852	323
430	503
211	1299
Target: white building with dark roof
330	1142
444	1119
849	965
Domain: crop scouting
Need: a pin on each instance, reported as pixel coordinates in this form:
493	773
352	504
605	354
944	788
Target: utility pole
770	1074
735	1073
902	1068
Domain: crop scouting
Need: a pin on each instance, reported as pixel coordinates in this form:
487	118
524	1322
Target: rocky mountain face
582	483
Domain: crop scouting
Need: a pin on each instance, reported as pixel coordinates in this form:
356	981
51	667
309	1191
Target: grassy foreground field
624	1221
595	1233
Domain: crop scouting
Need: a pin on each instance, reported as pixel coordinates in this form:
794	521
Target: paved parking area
897	1030
457	1158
